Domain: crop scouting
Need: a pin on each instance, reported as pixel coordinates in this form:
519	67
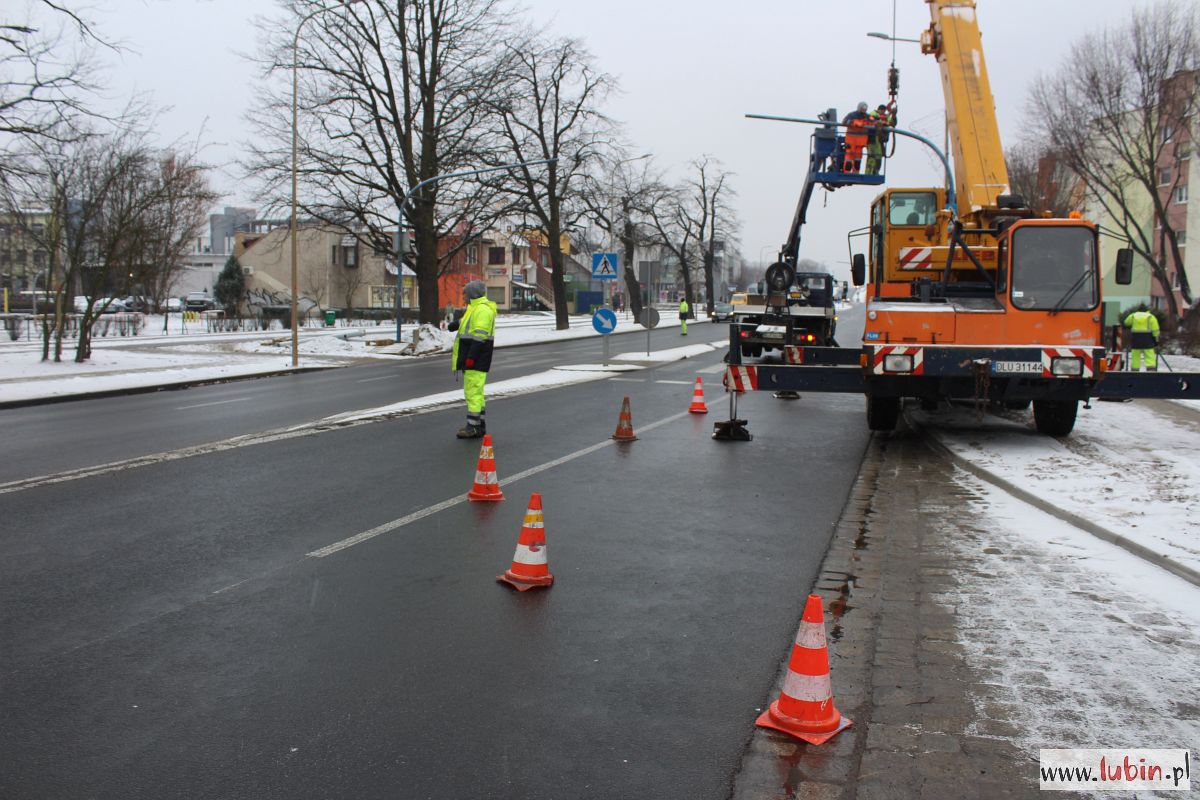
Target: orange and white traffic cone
530	566
624	431
805	706
487	485
697	406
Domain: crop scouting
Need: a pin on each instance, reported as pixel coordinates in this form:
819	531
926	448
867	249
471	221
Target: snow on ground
1079	643
1126	467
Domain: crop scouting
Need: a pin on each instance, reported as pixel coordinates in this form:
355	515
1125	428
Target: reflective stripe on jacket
476	334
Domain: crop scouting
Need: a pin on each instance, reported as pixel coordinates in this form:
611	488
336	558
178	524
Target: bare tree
45	78
391	94
619	200
1042	179
550	109
117	208
697	224
1116	112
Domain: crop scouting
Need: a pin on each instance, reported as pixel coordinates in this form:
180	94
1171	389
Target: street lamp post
878	35
295	150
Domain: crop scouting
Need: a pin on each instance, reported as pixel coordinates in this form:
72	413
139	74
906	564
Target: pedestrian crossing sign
604	266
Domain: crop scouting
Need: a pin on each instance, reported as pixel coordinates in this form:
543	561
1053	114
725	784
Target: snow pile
1132	468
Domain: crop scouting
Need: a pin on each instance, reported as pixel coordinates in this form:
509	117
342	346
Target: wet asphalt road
202	653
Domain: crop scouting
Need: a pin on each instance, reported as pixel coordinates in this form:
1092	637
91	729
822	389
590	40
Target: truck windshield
911	208
1054	268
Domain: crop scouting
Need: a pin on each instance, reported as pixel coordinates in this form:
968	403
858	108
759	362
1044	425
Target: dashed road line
214	403
387	527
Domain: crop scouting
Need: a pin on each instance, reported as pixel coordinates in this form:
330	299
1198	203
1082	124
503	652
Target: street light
878	35
295	150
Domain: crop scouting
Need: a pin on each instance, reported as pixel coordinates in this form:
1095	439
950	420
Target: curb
1141	551
158	387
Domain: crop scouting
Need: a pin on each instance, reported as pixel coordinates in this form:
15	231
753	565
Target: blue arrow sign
604	321
604	266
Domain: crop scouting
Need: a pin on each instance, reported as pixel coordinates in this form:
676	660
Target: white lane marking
386	527
680	383
213	403
629	380
380	378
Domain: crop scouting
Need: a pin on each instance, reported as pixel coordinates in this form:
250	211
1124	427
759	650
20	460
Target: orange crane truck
970	293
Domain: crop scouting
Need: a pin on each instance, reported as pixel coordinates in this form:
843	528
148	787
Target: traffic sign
604	266
649	318
604	321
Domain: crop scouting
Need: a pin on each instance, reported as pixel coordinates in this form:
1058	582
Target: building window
516	255
333	255
496	294
1167	133
1181	237
39	259
1180	194
471	254
545	258
350	257
1164	177
495	255
1183	150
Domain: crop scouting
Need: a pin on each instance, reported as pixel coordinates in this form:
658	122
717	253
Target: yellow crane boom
980	173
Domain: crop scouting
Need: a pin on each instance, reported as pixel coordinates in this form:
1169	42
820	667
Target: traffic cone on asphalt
530	566
624	431
487	485
805	706
697	406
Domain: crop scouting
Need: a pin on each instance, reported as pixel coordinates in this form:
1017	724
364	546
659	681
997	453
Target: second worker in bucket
472	353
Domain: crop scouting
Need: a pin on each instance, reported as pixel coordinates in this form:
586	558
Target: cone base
475	494
699	410
624	438
813	734
522	583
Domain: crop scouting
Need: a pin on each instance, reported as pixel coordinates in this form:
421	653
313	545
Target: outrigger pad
786	394
731	430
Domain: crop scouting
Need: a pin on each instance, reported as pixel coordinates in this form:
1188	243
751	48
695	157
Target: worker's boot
470	432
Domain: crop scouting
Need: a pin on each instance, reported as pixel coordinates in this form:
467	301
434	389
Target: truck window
1054	267
911	208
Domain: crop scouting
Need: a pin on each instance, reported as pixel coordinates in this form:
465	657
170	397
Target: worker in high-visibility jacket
683	314
856	122
472	353
1143	329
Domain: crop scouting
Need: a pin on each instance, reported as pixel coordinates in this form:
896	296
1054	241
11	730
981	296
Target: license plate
1017	366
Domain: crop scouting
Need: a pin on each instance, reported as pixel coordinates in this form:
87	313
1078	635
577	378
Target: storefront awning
391	270
523	285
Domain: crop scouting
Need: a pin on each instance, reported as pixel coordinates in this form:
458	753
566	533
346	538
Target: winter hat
474	289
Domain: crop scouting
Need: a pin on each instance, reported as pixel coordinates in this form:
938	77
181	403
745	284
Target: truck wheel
882	413
1055	417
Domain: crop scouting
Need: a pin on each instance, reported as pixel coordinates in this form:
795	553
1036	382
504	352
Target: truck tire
1055	417
882	413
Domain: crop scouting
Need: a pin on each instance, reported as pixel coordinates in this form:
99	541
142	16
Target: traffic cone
805	706
530	566
487	486
624	431
697	406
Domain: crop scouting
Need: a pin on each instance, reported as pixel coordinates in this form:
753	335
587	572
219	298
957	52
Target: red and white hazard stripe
1049	353
916	258
793	354
917	353
741	379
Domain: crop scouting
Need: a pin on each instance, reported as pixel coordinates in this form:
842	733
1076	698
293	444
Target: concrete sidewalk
952	690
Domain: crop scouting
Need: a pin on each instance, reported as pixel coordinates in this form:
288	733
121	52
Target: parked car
136	302
199	301
173	305
722	312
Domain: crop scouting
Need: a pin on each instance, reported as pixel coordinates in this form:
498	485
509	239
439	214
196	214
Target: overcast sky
689	72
